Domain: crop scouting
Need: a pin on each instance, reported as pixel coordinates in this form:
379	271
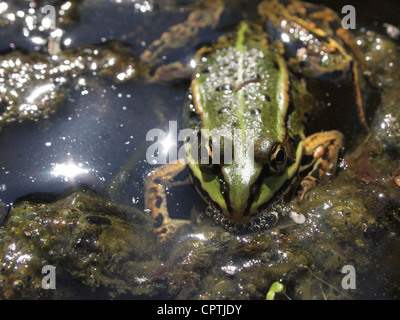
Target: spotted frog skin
253	80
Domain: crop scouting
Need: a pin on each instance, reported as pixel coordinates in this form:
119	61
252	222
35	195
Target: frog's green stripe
241	101
215	197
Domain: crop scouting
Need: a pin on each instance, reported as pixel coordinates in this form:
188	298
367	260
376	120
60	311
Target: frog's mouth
260	221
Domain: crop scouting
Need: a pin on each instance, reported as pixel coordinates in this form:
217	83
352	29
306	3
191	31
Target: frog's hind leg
324	149
156	200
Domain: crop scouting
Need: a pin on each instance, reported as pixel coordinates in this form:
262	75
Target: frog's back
242	83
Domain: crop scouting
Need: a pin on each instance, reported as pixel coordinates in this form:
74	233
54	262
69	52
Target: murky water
97	139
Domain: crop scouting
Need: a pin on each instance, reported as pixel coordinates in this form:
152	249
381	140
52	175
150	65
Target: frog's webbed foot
156	201
324	148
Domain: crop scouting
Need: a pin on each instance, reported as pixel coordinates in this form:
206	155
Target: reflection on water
68	170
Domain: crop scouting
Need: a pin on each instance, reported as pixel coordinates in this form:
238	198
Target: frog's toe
306	185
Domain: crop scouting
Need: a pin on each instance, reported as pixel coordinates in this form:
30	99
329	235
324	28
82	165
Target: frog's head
241	188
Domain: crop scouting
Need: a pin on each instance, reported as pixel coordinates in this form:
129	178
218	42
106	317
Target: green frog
250	86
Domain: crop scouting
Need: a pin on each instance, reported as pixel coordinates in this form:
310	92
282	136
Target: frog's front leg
324	148
156	200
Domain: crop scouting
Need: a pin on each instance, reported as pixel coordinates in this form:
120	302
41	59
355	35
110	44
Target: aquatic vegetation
276	287
86	238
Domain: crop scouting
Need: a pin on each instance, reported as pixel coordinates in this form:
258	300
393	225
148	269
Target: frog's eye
271	153
278	157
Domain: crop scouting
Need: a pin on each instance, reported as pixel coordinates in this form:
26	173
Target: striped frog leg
156	199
